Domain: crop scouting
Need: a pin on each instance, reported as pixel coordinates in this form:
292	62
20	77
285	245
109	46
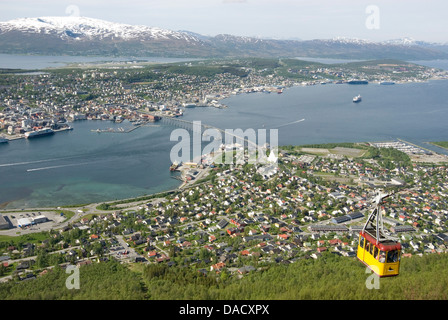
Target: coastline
22	136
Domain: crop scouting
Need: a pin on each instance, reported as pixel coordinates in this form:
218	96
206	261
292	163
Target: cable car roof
384	245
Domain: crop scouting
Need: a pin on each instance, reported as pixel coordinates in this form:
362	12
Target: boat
189	105
174	166
384	83
3	140
358	82
39	133
357	98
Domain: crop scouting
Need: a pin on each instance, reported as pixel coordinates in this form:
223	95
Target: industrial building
348	217
40	219
4	224
26	222
327	228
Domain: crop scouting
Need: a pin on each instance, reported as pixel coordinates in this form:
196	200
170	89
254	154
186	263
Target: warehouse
23	222
40	219
348	217
401	228
340	219
4	224
26	222
327	228
355	215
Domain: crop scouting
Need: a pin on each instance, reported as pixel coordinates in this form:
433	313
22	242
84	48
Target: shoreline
22	136
203	173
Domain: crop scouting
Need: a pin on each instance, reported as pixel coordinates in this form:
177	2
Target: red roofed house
283	236
218	266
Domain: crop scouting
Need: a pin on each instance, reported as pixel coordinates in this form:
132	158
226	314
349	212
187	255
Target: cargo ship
357	98
358	82
39	133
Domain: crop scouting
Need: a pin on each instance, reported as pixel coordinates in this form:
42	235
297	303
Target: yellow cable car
380	254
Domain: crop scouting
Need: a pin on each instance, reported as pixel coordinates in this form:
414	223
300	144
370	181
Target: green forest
330	277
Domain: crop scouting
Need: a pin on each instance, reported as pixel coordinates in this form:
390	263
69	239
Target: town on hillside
240	218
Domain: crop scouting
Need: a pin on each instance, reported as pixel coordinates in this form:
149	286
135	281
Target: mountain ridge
89	36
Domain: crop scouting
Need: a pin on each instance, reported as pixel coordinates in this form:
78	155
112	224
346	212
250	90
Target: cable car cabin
383	257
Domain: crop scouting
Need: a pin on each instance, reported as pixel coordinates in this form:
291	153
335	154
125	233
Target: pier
121	130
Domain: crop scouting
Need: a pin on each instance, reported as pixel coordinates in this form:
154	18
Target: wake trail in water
31	162
60	166
39	161
287	124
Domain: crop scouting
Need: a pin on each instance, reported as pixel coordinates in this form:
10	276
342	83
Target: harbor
122	130
27	135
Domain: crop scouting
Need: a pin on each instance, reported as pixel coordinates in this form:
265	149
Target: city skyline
285	19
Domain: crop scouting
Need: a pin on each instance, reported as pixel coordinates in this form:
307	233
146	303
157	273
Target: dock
22	136
121	130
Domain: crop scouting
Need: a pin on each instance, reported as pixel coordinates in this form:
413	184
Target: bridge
193	126
185	124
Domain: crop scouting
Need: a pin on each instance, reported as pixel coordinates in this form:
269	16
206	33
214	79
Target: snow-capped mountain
87	36
90	29
350	41
407	41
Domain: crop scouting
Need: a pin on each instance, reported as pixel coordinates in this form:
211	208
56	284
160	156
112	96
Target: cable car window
392	256
382	257
368	247
361	242
375	252
371	249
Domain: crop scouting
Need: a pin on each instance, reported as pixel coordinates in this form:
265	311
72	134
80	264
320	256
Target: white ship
357	98
385	83
38	133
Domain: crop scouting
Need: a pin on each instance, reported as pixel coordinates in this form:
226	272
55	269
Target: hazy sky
314	19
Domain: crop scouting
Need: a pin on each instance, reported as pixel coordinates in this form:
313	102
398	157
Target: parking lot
54	219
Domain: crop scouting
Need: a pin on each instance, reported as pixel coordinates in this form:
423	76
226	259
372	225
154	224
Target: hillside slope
327	278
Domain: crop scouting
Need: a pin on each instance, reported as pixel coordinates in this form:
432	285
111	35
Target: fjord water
416	112
81	166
